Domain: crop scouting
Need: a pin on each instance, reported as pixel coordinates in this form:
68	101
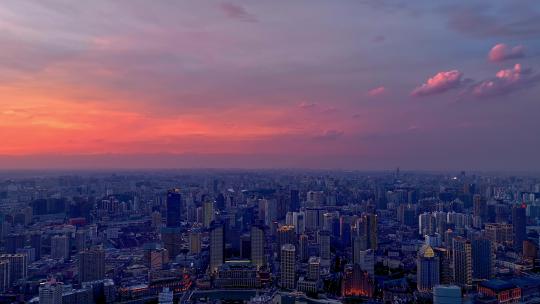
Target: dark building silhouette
174	208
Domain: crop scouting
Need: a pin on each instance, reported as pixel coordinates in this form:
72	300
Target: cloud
440	83
477	20
501	52
237	12
329	135
506	82
377	91
307	105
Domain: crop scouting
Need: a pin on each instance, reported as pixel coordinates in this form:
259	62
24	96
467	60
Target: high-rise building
14	241
91	265
195	241
285	235
4	275
462	262
447	294
217	246
60	247
80	240
18	266
500	233
174	208
50	293
314	268
366	228
208	213
295	201
257	246
428	272
303	243
324	244
365	259
288	266
519	223
482	259
35	242
446	275
172	241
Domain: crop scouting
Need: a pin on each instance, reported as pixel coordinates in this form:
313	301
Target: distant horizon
248	162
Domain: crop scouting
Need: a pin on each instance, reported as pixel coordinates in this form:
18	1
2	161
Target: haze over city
427	85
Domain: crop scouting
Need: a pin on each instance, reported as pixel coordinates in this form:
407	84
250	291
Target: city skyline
368	85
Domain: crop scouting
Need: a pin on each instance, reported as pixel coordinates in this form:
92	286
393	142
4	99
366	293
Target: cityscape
269	152
274	236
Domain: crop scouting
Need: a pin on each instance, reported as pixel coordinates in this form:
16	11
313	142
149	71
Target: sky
423	85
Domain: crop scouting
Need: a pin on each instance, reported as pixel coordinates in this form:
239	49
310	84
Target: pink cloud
506	81
440	83
501	52
237	12
377	91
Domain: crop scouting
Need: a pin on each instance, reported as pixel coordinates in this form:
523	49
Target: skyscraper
288	266
60	247
174	208
324	244
303	242
367	230
35	242
462	262
217	246
428	270
195	241
482	259
365	259
519	221
91	265
257	246
295	201
208	213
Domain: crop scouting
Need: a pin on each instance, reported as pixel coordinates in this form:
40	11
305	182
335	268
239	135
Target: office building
60	247
288	266
462	262
257	246
482	259
217	246
91	265
428	271
174	208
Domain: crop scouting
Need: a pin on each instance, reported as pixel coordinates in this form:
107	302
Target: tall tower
174	208
257	246
462	262
519	221
482	259
427	269
288	271
208	213
324	244
217	246
91	265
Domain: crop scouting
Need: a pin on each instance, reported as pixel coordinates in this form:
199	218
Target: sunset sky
259	84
